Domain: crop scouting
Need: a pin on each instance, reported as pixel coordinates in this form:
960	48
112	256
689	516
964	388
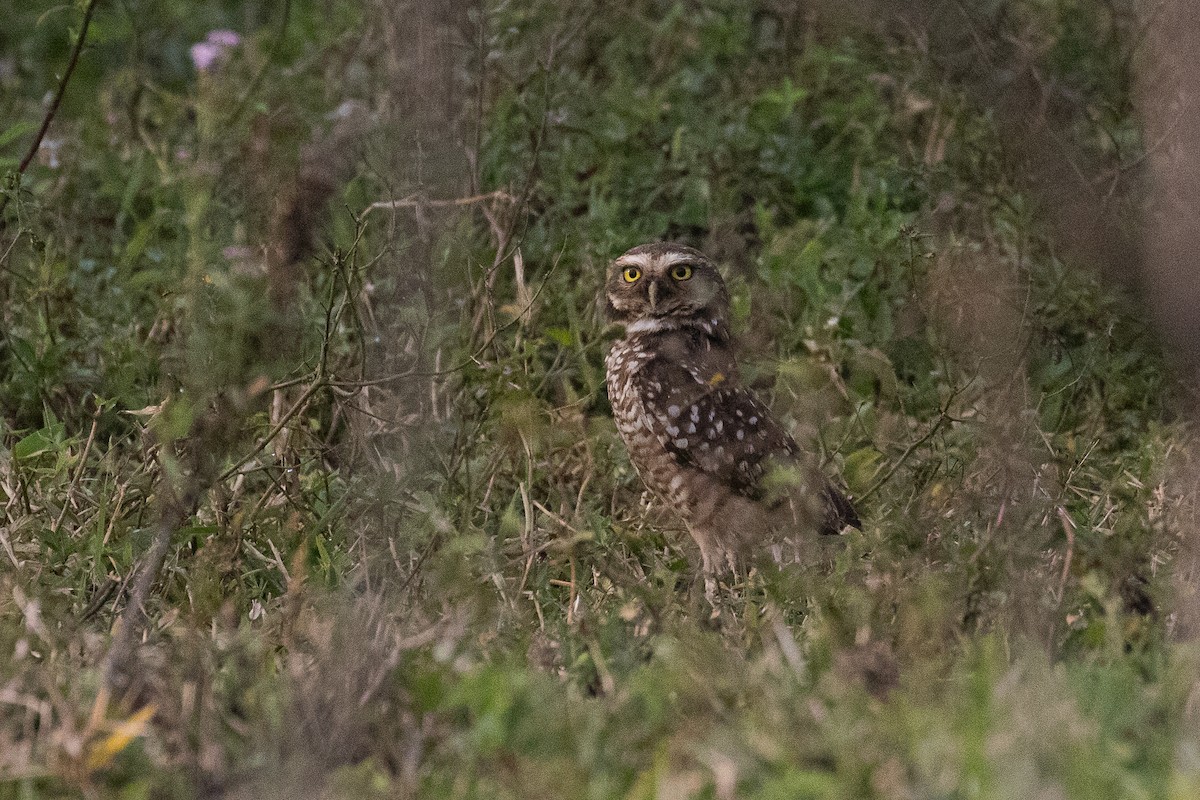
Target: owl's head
664	285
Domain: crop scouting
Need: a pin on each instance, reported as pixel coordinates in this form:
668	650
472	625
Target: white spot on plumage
681	443
673	411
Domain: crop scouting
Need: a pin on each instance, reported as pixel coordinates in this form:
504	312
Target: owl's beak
652	294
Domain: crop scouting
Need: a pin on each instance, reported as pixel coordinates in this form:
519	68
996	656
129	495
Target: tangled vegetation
308	481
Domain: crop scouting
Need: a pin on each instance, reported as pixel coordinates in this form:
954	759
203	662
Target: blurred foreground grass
408	555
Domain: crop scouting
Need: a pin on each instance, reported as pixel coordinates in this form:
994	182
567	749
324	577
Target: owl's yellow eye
631	274
681	272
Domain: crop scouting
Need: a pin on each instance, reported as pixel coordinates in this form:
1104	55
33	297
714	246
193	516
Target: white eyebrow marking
674	258
636	260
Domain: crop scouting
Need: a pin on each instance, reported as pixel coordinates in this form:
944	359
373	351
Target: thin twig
943	417
417	201
87	448
257	80
175	511
283	421
471	360
62	87
36	144
1068	526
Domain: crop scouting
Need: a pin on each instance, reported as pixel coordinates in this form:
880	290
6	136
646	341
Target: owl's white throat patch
651	325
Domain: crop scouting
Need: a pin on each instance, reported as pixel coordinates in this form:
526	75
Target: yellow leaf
102	753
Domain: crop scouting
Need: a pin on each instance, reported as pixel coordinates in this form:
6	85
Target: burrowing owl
700	440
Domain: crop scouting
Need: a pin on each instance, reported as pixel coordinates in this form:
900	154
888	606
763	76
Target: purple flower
223	38
208	53
203	55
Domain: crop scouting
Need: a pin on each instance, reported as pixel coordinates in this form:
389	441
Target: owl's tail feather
839	511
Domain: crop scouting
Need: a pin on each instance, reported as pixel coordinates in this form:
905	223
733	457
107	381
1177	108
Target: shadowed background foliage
308	481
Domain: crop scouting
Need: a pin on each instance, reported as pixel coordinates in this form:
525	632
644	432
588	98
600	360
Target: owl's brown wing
839	511
707	423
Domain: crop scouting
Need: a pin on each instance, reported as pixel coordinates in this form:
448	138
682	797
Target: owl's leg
710	563
706	565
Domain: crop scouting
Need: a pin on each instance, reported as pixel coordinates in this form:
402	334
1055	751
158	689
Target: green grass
408	553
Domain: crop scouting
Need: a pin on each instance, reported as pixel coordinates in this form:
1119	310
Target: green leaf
35	444
16	130
862	466
798	784
562	336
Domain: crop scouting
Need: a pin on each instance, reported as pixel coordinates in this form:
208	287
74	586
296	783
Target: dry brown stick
1068	526
175	511
416	201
